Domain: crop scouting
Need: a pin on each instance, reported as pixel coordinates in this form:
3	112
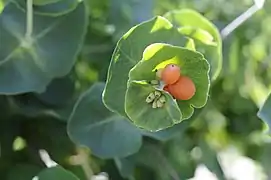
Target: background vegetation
226	130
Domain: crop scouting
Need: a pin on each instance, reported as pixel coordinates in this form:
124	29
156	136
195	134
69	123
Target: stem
238	21
85	164
29	19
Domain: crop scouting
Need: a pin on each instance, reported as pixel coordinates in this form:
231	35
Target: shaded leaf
31	64
126	166
49	134
126	13
23	172
30	106
105	133
54	94
56	173
43	2
51	7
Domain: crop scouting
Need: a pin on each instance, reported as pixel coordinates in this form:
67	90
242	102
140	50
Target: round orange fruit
183	89
170	74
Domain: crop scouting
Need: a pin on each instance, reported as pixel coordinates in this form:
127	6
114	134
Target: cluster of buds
157	99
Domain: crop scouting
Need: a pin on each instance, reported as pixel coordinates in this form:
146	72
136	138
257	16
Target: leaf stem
85	163
29	19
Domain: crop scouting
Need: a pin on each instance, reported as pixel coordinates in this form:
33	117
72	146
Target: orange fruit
183	89
170	74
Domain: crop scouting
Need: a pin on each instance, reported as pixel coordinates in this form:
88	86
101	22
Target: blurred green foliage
30	121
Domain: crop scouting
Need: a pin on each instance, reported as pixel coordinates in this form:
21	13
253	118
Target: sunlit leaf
187	20
129	52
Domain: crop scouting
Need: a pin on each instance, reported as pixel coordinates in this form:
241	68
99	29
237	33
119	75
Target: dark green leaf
30	105
58	93
49	134
129	52
126	166
29	65
56	173
23	172
105	133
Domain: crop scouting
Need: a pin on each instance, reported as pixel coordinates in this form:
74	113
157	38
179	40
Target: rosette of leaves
150	45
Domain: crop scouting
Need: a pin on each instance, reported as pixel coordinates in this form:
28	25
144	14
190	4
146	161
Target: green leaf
54	94
198	34
44	2
126	166
56	173
57	8
30	106
3	3
166	134
190	19
144	115
49	134
126	13
105	133
9	131
192	64
129	52
265	113
29	65
23	172
5	107
209	158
